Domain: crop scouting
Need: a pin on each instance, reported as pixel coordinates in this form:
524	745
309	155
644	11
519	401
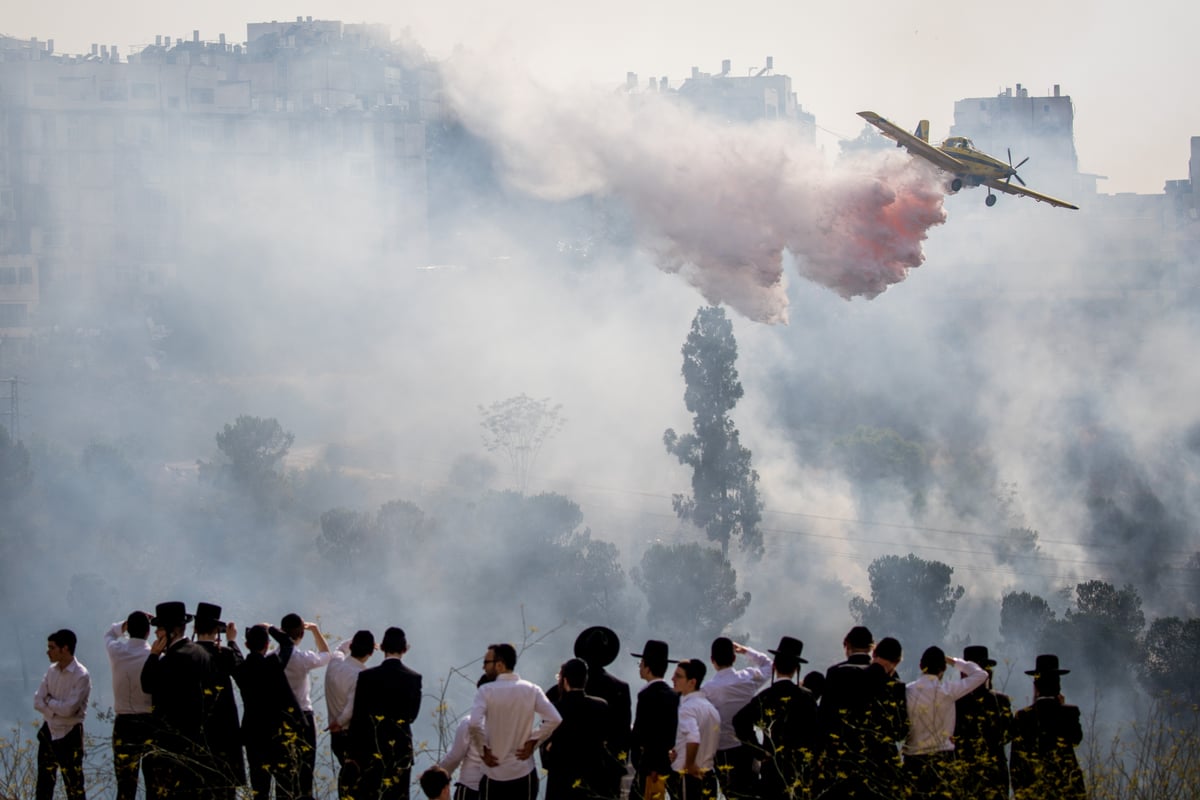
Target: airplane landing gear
991	200
956	184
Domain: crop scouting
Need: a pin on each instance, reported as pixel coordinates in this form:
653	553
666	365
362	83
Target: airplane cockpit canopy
960	142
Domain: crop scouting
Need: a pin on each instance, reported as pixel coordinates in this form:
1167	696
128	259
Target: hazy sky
1127	66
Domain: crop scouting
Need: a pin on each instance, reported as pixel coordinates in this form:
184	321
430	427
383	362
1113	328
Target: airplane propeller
1014	169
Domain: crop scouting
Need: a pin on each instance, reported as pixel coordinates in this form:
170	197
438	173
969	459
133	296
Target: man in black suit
1045	734
786	713
175	675
387	699
654	723
598	647
577	756
863	719
221	730
982	727
272	723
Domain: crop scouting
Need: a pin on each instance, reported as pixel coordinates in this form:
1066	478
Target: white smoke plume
717	203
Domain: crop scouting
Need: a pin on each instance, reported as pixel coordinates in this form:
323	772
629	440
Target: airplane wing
1008	188
916	146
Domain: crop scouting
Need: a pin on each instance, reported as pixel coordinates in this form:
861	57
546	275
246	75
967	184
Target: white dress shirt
126	656
729	690
299	665
502	719
931	708
62	697
699	723
464	753
341	678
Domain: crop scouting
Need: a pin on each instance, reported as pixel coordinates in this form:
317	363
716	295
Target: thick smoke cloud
717	203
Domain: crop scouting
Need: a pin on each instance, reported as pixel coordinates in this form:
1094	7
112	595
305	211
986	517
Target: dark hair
933	660
394	641
363	644
434	781
889	649
64	638
205	625
292	625
786	664
722	652
137	625
257	638
815	683
484	678
505	653
575	672
1047	685
694	669
859	638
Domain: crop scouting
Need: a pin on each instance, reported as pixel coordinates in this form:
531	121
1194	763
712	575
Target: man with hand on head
502	727
298	667
982	727
127	649
929	749
729	690
62	699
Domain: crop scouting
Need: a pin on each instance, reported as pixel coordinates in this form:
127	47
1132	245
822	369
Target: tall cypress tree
724	499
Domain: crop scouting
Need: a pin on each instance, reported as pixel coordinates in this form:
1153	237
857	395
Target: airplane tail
922	131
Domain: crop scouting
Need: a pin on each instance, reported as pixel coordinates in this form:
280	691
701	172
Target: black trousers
525	788
347	779
931	776
270	762
463	792
64	754
131	740
735	773
307	755
681	786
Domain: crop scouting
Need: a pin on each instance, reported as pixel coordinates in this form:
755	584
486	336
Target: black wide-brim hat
789	648
169	614
209	612
978	654
655	652
1046	664
598	646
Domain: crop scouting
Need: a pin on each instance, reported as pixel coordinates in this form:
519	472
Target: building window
8	276
144	91
25	276
200	96
12	315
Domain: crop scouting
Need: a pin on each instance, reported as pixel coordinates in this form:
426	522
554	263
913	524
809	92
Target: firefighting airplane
958	156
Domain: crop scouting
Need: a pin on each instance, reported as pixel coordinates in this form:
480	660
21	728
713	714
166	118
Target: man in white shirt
62	699
929	749
729	690
696	738
341	676
299	665
501	727
133	724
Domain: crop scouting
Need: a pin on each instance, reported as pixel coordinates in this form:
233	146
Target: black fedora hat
210	613
978	654
789	648
169	614
655	652
1046	664
598	646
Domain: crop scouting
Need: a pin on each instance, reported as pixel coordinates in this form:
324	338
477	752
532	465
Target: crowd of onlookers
762	729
